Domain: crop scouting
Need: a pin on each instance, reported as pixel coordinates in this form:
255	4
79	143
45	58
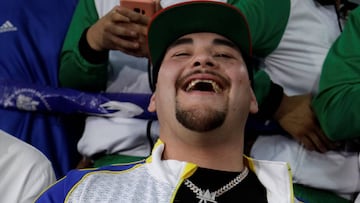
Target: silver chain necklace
206	196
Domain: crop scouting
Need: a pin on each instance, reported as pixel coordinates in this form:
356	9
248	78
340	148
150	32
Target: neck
207	150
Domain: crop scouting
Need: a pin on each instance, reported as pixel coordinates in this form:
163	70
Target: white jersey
297	62
24	171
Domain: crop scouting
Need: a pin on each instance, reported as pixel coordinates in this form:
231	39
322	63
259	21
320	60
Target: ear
152	106
253	102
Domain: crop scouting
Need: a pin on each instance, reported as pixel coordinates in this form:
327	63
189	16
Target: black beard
200	119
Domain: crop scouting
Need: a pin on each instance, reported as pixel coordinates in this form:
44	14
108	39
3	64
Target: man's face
202	83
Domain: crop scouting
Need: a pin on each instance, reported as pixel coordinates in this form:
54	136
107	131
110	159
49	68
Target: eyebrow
225	42
181	41
216	41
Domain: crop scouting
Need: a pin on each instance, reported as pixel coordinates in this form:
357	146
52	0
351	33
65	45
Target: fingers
307	144
119	14
298	119
315	139
118	31
316	142
127	46
325	140
128	42
132	16
321	142
157	5
309	134
101	33
126	31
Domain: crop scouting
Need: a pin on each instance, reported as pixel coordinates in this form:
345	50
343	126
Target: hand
121	29
157	5
297	118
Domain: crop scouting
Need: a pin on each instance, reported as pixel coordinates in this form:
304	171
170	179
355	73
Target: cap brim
191	17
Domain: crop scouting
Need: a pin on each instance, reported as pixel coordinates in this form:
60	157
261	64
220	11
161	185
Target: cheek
238	76
240	83
168	74
165	79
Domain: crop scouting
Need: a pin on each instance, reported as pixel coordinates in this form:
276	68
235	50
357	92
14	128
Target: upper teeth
214	85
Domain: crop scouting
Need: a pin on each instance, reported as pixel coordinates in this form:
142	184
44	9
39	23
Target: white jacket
156	180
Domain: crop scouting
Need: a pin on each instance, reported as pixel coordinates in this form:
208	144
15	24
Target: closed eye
222	55
181	54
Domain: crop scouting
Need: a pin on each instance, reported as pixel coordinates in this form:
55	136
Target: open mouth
204	85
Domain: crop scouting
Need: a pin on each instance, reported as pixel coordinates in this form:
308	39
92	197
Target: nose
203	60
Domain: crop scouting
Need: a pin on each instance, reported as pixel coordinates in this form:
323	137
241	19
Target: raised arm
94	30
337	104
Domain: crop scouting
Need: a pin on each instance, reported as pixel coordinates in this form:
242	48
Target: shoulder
79	180
76	175
17	150
79	183
25	171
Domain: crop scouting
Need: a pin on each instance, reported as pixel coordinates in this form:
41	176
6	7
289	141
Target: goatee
200	119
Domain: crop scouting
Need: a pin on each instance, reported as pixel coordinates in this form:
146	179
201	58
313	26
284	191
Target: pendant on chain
207	196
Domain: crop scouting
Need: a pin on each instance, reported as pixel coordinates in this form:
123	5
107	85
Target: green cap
180	19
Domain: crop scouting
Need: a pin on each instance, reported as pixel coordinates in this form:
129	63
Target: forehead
207	37
202	34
